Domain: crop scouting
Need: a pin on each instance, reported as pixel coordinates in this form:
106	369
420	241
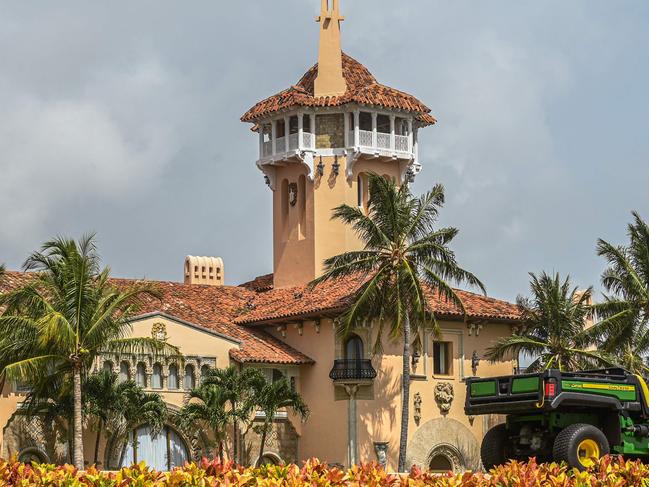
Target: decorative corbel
282	330
316	325
352	158
269	173
300	328
306	158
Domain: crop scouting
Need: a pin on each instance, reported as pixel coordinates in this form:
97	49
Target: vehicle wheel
493	451
578	444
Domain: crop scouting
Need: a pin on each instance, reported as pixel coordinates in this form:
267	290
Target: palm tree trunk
235	438
101	424
405	395
262	445
77	427
221	459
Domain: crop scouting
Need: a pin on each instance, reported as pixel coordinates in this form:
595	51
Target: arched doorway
162	452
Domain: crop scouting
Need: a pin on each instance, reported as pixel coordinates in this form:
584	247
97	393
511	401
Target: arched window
156	377
172	381
363	191
108	366
270	459
301	195
190	377
140	375
440	464
124	372
354	348
284	208
163	451
205	369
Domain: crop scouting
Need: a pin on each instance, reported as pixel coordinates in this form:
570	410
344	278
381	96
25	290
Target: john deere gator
573	417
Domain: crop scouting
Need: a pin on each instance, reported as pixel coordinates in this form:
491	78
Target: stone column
261	141
393	140
346	128
313	143
300	131
374	130
287	134
352	426
357	127
273	136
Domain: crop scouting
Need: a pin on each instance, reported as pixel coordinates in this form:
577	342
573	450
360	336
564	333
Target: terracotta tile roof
331	297
259	284
362	88
213	308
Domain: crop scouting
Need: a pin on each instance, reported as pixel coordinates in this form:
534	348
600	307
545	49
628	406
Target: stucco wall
379	408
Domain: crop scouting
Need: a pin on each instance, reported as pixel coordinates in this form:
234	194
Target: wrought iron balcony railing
352	370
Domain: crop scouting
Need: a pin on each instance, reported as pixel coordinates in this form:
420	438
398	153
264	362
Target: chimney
330	80
206	271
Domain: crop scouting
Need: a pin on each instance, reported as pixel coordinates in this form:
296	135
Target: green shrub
609	472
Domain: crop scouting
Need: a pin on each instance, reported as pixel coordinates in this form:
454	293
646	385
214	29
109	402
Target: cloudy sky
122	117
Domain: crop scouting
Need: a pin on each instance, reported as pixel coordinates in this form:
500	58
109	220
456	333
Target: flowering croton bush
611	471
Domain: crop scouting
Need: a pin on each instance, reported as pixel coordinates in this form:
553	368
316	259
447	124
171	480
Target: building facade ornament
475	362
417	414
381	450
159	331
444	395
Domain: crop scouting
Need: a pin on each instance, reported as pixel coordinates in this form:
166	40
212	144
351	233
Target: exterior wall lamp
267	180
336	167
320	168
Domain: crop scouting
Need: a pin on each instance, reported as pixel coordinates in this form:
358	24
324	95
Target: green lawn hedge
610	471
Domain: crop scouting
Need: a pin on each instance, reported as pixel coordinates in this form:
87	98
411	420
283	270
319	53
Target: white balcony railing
280	144
268	149
366	138
401	143
308	141
383	141
293	140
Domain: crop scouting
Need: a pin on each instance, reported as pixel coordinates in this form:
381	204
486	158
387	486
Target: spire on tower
330	80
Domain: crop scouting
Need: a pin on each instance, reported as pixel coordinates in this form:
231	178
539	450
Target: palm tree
403	259
270	398
100	400
238	385
135	408
554	327
67	315
624	328
119	407
208	405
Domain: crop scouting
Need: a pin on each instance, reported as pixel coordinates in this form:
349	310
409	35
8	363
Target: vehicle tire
493	450
578	443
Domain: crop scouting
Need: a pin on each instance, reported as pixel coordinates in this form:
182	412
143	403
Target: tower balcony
325	133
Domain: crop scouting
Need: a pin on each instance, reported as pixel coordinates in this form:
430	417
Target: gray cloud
122	117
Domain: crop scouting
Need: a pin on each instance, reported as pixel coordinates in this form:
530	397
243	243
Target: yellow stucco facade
315	157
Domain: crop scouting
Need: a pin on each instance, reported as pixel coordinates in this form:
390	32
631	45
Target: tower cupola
319	139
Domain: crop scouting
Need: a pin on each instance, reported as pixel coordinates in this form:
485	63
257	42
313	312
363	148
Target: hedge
610	471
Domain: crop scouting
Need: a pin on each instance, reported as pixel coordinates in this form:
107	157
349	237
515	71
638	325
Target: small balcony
352	371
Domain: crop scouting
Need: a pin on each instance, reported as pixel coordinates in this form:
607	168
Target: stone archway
35	437
444	438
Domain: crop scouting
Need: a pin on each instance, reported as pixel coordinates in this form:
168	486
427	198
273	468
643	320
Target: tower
318	140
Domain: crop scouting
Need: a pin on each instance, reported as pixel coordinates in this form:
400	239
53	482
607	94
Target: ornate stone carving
475	362
417	414
159	331
292	194
444	396
381	449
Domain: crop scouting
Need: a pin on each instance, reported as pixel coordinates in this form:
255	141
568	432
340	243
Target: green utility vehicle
562	416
